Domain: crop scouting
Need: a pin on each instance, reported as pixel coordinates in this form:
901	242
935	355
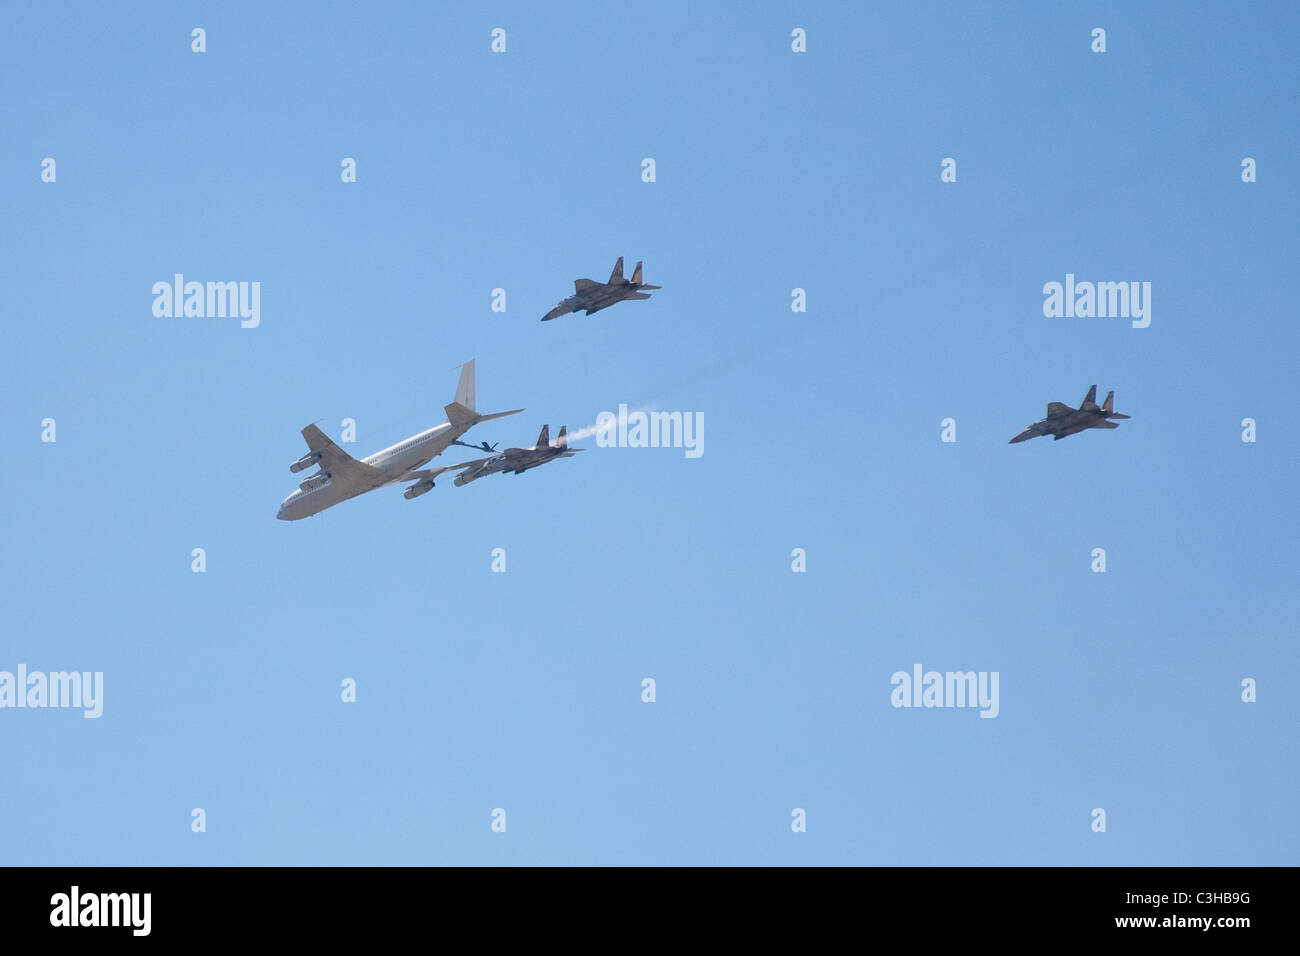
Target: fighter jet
1062	420
593	296
519	460
342	477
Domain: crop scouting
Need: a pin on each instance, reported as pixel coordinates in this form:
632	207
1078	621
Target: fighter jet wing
343	469
581	285
1057	409
1102	423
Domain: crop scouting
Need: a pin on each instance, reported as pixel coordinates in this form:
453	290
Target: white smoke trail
611	425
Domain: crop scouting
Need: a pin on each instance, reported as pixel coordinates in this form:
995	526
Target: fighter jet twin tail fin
561	440
636	280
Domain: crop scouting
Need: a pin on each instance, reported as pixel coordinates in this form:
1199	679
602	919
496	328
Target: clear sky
522	690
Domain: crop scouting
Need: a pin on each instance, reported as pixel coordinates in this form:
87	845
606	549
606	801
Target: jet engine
315	481
306	461
419	488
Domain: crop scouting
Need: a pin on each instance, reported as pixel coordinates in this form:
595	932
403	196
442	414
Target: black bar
333	905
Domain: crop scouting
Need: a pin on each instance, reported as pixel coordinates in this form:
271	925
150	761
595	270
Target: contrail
588	430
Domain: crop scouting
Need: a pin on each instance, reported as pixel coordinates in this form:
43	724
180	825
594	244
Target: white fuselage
395	461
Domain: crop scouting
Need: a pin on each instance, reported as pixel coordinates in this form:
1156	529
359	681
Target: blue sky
522	690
